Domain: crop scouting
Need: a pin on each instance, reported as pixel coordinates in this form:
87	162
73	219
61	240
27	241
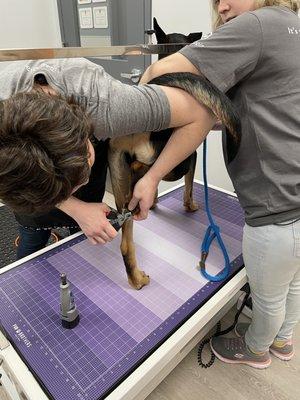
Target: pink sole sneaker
284	353
284	356
235	351
249	363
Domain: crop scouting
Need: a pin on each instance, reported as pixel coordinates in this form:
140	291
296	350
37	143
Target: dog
163	38
130	157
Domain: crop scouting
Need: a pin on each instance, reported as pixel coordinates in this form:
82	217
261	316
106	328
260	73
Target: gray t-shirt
255	58
116	109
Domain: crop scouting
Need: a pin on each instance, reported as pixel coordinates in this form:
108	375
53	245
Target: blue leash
212	232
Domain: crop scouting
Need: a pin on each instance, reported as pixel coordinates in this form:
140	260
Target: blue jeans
34	240
272	260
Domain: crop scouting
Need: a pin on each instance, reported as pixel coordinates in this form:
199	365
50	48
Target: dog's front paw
138	280
191	206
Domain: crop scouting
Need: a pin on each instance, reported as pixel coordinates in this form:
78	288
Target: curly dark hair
43	151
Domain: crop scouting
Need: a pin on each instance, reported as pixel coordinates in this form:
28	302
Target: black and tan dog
130	157
163	37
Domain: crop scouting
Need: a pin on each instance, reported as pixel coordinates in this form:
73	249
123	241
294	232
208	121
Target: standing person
50	111
254	56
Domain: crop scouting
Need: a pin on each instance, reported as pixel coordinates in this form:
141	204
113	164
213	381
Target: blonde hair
294	5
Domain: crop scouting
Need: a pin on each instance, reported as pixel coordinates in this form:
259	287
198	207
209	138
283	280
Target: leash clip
201	265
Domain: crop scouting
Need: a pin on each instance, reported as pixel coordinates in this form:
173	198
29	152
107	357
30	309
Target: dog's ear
192	37
161	37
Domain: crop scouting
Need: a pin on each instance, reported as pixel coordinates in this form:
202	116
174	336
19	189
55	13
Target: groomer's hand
91	217
143	196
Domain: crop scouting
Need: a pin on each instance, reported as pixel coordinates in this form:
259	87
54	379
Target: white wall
186	17
182	16
29	23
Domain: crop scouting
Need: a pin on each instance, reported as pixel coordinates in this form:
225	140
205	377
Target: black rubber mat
8	234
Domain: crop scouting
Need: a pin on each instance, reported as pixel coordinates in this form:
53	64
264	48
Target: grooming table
127	340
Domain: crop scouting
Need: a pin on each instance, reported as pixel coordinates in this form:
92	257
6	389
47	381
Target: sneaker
284	350
235	351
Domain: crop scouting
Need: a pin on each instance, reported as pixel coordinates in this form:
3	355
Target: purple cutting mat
119	326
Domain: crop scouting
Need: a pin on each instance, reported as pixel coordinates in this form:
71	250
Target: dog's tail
209	95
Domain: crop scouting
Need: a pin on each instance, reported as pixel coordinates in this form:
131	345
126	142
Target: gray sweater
255	58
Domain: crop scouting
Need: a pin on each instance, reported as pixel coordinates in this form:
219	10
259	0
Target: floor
281	381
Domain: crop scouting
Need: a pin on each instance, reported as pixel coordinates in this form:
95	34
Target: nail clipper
117	219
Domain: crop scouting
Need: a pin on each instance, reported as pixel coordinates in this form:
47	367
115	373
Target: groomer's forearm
183	142
70	206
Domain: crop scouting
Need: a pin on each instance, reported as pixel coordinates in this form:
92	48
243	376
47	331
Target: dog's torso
145	149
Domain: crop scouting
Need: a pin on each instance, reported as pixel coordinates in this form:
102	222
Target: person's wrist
153	176
73	207
78	209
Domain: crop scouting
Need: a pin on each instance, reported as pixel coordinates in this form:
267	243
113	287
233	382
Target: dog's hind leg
188	201
121	178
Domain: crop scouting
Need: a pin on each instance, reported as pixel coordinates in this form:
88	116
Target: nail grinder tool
68	310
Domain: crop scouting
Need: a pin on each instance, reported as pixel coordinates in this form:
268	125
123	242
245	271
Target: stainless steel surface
73	52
